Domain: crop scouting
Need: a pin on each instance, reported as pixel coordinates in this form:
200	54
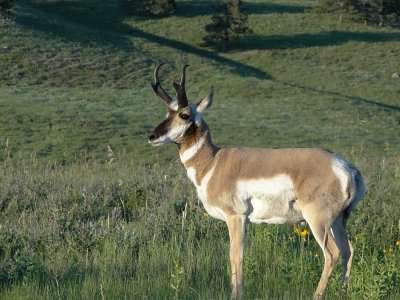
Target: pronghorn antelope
275	186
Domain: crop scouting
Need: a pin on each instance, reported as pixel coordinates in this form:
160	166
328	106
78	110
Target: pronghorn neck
197	148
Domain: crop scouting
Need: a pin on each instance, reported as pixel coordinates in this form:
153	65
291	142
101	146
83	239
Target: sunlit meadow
88	210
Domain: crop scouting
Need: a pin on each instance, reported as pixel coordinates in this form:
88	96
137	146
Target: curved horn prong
156	85
180	89
183	77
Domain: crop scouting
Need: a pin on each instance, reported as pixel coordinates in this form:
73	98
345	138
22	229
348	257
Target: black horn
158	89
180	89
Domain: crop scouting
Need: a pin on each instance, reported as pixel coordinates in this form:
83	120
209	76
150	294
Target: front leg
236	226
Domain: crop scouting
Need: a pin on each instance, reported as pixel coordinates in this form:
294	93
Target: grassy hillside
83	69
75	79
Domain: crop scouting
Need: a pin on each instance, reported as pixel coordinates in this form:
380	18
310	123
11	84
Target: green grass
124	231
75	79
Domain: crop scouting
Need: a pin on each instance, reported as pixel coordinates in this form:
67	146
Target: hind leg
344	245
321	231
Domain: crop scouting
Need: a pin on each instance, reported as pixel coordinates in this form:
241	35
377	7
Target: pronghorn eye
184	116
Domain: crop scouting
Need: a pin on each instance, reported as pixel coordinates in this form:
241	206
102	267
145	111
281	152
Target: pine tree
149	7
386	11
218	29
161	7
229	22
382	12
5	5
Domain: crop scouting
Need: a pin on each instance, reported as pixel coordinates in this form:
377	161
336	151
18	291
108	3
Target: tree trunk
225	41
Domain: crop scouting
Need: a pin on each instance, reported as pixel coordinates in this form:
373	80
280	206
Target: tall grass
101	230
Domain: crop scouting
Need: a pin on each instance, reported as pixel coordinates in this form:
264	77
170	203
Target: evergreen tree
385	11
368	11
149	7
229	22
218	29
5	5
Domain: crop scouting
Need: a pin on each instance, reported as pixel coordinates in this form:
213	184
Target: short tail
357	192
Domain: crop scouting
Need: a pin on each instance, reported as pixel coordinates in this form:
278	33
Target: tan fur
316	186
310	170
239	185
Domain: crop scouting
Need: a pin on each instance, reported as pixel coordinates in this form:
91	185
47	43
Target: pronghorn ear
202	105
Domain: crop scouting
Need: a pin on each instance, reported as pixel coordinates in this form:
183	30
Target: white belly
262	200
269	200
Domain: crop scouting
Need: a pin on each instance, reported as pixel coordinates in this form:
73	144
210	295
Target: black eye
184	116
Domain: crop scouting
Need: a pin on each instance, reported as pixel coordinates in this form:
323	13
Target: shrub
382	12
5	5
149	7
229	22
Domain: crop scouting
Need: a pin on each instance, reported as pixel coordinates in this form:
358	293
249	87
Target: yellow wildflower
304	232
391	249
298	230
205	214
398	243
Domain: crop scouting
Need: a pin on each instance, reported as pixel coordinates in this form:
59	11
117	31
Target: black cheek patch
162	128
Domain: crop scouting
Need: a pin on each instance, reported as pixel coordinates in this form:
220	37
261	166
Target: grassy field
89	210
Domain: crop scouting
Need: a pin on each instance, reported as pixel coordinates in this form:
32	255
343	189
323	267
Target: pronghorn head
181	116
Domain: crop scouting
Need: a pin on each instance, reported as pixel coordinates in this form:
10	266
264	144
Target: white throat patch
189	153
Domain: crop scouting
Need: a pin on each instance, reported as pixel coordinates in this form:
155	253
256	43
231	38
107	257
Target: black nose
152	136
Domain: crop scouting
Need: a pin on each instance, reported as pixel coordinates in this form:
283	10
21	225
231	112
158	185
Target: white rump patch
341	170
189	153
269	200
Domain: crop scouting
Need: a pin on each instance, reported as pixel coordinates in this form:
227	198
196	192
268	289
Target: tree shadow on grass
327	38
92	23
268	8
76	22
355	100
206	7
237	67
